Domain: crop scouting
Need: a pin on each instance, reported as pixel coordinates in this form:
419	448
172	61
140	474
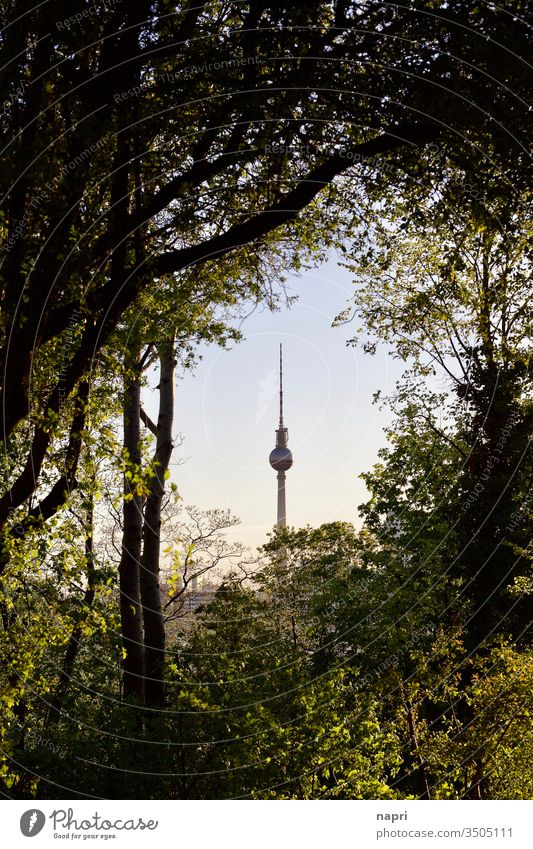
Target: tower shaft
282	504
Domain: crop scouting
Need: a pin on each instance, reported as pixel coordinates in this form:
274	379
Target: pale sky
227	412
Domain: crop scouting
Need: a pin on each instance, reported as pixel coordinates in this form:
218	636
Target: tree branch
28	480
146	420
292	202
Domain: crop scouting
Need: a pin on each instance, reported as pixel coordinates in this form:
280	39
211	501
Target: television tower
281	457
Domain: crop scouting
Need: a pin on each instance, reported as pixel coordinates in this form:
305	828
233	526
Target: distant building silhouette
181	605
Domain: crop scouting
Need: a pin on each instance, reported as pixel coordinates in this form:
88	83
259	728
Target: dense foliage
165	166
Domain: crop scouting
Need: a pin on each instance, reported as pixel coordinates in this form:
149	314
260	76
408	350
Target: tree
132	512
204	319
258	722
145	193
99	110
152	607
449	294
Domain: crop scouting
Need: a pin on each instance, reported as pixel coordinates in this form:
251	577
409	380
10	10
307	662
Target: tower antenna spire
281	385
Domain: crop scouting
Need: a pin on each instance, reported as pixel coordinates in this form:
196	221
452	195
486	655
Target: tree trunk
130	598
154	626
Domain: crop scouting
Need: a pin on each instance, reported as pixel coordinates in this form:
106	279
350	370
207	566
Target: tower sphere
280	459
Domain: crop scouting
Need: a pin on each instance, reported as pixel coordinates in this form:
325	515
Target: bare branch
146	420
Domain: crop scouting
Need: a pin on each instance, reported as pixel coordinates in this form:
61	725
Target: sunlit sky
227	412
